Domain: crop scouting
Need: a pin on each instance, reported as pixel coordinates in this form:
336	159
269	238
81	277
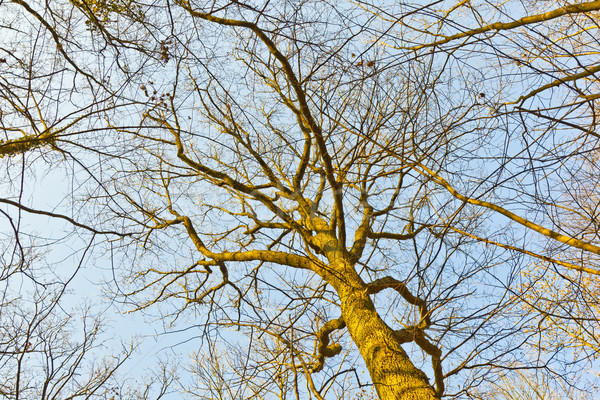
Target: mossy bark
25	143
393	374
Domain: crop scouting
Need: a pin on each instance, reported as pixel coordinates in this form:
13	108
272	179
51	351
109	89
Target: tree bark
393	374
395	377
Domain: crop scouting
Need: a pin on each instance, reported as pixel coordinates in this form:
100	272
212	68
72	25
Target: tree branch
570	241
324	349
60	216
532	19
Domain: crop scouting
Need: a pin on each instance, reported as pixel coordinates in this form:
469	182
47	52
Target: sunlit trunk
393	374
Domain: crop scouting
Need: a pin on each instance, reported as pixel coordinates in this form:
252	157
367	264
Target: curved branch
568	240
398	236
60	216
277	257
558	82
324	349
532	19
414	333
388	282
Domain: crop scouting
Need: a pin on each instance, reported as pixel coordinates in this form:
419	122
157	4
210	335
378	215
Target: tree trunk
394	375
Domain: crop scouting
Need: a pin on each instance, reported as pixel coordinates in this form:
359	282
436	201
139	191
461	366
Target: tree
50	349
320	176
528	386
50	346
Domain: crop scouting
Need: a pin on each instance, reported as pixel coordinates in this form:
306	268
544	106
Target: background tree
528	386
321	176
49	348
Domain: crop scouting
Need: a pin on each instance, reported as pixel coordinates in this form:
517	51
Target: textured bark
395	377
393	374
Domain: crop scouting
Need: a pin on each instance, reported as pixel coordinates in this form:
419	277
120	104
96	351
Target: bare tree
310	179
49	348
528	386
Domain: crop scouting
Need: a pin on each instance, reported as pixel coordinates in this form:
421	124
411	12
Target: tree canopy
318	188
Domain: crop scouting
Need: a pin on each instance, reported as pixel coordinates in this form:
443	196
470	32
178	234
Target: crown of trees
340	198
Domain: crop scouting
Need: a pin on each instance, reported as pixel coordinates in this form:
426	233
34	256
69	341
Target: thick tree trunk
394	375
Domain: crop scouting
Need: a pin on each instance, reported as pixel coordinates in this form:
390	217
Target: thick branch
391	283
570	241
26	143
324	349
414	334
276	257
397	236
532	19
362	233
